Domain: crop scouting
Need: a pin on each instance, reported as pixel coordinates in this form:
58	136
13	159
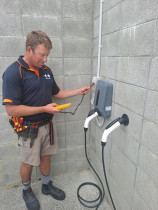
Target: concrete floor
11	199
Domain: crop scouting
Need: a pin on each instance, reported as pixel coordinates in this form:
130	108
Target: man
28	87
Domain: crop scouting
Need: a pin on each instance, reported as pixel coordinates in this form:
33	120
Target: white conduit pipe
100	31
100	124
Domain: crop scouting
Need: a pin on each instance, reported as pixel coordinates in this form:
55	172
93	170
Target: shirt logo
47	76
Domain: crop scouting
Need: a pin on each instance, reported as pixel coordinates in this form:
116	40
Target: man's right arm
22	110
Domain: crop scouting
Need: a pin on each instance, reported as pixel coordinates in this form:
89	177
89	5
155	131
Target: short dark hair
35	38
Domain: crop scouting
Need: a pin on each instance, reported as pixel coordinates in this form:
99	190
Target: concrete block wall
69	25
129	60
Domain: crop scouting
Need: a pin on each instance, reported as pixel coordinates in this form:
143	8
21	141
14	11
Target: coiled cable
101	193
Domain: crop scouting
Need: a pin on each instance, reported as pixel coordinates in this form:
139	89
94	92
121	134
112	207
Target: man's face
38	56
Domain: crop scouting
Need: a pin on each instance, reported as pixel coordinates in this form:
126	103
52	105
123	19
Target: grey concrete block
147	190
58	168
137	40
11	164
10	25
59	157
149	136
123	184
109	4
75	154
95	47
130	96
50	25
135	121
75	100
134	70
80	164
77	81
109	67
139	203
0	166
11	7
59	117
2	107
2	180
56	51
55	64
80	114
131	11
1	86
77	48
92	129
113	16
60	129
61	142
119	199
77	8
153	74
122	169
148	164
74	127
96	27
15	46
77	66
96	8
8	151
151	107
110	44
4	122
38	7
34	175
94	66
75	140
155	47
13	178
128	146
59	81
8	136
77	28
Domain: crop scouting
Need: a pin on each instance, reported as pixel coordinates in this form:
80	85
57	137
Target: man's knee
26	166
45	158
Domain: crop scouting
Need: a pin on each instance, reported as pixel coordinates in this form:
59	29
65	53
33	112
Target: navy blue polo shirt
25	86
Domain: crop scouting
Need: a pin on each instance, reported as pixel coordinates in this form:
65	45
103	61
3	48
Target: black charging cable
73	113
103	162
100	198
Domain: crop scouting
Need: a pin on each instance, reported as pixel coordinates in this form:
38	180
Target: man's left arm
62	94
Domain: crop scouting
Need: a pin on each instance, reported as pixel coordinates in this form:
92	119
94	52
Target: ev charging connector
91	116
112	126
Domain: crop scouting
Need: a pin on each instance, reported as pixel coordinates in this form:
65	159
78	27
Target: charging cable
100	198
111	127
90	204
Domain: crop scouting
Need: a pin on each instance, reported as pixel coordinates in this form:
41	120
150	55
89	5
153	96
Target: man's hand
50	108
84	90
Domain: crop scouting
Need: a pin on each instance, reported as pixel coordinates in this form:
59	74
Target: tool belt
29	129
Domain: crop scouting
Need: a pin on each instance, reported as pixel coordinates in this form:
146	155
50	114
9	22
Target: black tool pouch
33	135
25	134
11	123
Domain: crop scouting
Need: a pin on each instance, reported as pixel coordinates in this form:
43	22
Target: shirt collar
20	59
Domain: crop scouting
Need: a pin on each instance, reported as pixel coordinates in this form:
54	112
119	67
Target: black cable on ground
101	194
106	178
